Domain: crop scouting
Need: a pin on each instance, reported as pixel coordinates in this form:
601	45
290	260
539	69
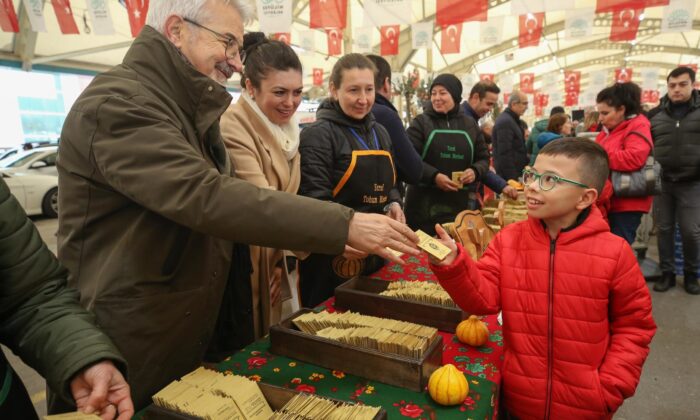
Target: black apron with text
448	151
364	187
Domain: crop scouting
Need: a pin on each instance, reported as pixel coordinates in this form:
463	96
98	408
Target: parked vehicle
41	160
37	193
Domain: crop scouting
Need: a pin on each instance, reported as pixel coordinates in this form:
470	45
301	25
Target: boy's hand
445	239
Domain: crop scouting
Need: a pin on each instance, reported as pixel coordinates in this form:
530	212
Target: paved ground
670	384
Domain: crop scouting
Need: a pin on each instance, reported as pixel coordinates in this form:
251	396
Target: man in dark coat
509	155
42	321
149	207
675	126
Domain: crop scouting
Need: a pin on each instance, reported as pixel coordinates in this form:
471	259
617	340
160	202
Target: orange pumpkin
472	331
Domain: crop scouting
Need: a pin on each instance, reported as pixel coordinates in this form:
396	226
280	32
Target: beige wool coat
258	158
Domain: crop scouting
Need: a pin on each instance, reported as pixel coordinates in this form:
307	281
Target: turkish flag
318	77
650	96
137	9
541	99
506	98
603	6
487	77
285	37
451	37
625	24
539	111
572	81
449	12
335	38
527	82
390	39
328	13
8	17
64	14
623	75
530	29
571	99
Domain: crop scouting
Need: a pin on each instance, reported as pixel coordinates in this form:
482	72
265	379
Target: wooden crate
401	371
361	294
276	396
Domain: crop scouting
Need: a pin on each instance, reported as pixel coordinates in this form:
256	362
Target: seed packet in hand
432	246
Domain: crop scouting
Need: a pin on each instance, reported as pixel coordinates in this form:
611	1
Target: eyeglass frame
228	40
538	177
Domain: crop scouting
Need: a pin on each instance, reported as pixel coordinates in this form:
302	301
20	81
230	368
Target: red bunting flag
390	39
8	17
527	82
64	15
625	24
451	37
487	77
449	12
572	81
137	9
650	96
623	75
604	6
530	29
328	13
571	99
285	37
335	38
318	77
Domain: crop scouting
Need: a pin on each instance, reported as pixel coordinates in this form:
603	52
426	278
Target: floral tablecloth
481	366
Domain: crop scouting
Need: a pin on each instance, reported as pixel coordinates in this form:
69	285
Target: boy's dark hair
557	110
349	62
628	95
383	70
593	167
482	87
264	55
556	122
679	71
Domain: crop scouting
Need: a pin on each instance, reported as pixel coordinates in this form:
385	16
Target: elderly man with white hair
508	139
149	208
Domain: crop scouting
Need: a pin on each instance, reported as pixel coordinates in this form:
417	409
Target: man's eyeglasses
233	48
547	180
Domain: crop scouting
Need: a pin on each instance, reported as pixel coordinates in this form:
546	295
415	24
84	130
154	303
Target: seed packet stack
419	291
304	406
73	416
211	395
386	335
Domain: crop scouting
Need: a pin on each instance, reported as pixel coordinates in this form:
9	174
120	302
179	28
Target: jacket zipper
550	328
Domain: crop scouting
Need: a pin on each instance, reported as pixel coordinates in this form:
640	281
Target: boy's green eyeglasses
547	180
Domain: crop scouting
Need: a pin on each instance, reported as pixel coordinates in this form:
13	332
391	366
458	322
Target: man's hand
468	176
275	286
396	213
445	183
510	192
353	254
373	233
101	389
446	240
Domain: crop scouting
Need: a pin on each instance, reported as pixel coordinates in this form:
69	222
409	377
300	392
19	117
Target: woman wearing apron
346	158
449	142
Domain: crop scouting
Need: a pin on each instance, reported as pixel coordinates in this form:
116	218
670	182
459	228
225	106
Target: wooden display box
401	371
276	396
361	294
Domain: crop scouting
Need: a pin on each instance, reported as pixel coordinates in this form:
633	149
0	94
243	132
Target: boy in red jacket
577	317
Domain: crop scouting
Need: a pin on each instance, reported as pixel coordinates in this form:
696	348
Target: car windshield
15	161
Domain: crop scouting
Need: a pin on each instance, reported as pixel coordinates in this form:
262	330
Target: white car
37	193
41	160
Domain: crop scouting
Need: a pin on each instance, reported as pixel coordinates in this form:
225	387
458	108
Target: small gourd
448	386
473	332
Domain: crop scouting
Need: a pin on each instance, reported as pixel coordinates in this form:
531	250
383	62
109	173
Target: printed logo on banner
491	32
275	15
35	13
421	35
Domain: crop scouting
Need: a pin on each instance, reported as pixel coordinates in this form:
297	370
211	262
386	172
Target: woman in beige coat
262	137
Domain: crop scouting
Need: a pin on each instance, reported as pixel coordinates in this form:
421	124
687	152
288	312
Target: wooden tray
276	396
401	371
361	294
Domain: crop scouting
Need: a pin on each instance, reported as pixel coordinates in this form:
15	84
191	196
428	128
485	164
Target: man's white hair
195	10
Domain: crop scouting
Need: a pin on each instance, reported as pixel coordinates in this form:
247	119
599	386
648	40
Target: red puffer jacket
577	317
627	152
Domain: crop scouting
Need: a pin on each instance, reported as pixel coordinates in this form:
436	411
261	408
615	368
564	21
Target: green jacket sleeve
40	318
